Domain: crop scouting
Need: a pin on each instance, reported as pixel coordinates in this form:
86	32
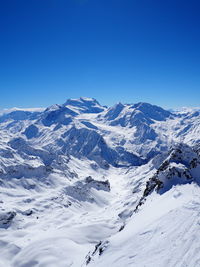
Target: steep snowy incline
164	233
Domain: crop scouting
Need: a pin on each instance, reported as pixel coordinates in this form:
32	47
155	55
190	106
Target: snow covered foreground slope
86	185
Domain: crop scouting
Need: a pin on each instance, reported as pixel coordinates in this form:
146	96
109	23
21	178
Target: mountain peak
152	111
113	112
84	105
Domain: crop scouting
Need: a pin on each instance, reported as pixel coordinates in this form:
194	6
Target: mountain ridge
98	182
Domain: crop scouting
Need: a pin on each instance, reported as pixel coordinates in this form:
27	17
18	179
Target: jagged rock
28	212
6	218
82	189
181	166
98	251
98	185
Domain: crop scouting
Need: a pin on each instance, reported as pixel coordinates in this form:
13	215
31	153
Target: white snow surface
86	185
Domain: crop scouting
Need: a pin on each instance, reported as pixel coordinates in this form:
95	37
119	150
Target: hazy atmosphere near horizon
112	50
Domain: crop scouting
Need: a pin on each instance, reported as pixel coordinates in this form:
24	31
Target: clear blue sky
112	50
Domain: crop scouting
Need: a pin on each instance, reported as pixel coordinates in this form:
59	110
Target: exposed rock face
82	189
6	218
182	166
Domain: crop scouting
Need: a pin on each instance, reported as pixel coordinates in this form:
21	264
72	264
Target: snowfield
86	185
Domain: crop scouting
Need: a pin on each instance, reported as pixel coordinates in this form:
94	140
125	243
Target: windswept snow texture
87	185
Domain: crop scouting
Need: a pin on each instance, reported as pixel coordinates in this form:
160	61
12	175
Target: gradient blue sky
112	50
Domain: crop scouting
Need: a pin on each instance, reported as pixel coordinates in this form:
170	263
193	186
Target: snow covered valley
86	185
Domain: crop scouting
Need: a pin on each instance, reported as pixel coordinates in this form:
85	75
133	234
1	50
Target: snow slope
117	186
164	233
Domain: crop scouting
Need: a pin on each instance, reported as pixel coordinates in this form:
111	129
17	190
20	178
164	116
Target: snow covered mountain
118	186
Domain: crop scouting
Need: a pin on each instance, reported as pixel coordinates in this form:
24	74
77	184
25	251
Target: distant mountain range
89	180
